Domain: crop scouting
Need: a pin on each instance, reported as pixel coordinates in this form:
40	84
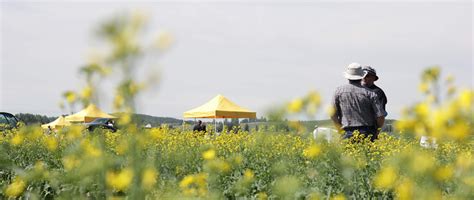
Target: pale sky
257	53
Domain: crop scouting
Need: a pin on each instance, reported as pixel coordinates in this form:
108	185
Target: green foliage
30	119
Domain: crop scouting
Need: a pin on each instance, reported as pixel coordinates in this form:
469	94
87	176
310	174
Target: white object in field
327	133
148	126
428	142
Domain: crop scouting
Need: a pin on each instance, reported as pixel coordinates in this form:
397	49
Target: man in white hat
356	107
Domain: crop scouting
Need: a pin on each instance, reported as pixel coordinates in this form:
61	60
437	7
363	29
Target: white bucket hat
354	72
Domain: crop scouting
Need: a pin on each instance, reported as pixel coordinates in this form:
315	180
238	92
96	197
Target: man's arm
337	121
380	121
379	111
336	114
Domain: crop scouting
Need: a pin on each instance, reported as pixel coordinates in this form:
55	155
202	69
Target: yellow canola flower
330	110
187	181
295	106
422	109
209	154
15	188
422	162
157	134
17	139
122	147
238	160
404	190
220	166
423	87
465	99
70	97
86	93
134	87
193	185
404	125
386	178
90	149
125	119
464	161
119	101
51	143
262	196
70	162
149	178
339	197
420	130
248	174
459	130
444	173
35	134
201	179
438	123
74	132
312	151
314	97
120	180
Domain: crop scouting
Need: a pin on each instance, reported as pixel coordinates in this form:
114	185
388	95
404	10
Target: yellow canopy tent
58	123
88	114
219	107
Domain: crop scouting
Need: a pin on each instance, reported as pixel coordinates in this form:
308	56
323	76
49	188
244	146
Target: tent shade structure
88	114
219	107
58	123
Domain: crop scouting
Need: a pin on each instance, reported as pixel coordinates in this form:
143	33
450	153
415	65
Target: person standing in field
368	82
356	107
198	127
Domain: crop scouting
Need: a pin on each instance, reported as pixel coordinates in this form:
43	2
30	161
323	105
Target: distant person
50	130
200	127
357	107
197	127
368	81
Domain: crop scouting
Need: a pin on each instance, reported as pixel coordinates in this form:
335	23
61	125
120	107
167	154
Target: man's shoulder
353	88
345	87
377	90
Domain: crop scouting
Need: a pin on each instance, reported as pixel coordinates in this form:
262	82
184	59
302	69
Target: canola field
171	164
163	163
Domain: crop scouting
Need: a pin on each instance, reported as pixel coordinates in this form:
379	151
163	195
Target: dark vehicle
102	123
7	121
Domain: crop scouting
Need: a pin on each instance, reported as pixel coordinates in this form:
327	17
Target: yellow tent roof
88	114
220	107
58	123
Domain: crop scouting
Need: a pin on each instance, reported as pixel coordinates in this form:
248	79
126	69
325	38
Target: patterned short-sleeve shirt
356	105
